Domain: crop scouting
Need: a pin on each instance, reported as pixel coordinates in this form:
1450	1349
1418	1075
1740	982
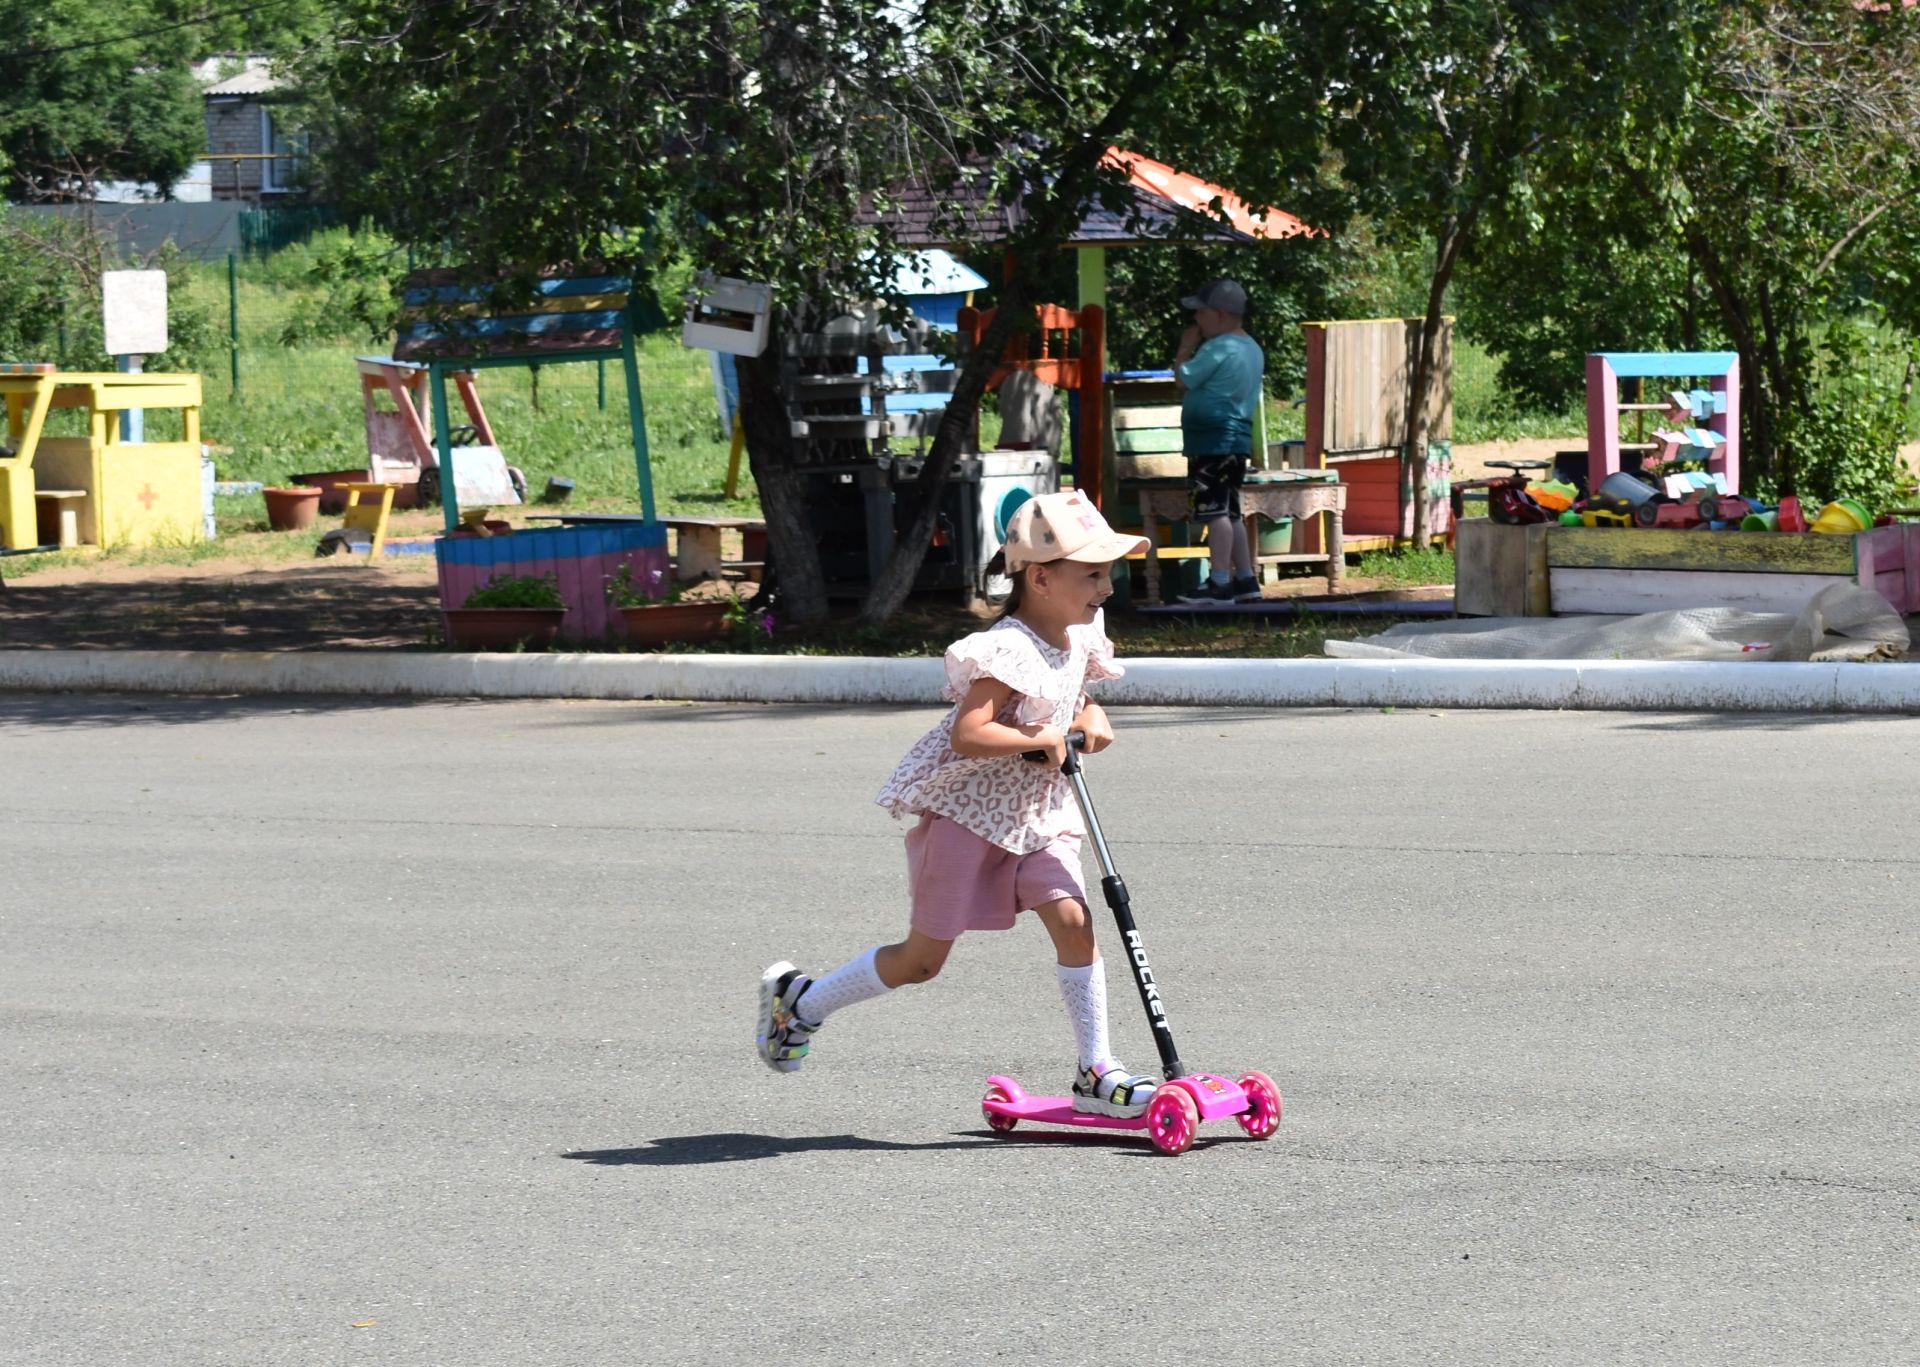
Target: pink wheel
1172	1119
1262	1116
995	1120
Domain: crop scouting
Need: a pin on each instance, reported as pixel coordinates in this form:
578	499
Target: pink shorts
961	882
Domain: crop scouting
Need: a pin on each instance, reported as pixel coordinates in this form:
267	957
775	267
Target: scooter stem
1114	889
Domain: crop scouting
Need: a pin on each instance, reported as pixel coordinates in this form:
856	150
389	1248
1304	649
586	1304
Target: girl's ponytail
998	565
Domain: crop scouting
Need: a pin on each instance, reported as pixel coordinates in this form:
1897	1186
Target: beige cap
1064	527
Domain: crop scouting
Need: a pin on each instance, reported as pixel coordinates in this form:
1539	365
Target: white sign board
134	308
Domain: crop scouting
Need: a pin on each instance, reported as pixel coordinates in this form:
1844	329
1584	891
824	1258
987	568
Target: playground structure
99	489
401	443
1704	424
453	324
1359	400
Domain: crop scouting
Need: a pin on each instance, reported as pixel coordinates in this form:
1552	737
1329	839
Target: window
286	167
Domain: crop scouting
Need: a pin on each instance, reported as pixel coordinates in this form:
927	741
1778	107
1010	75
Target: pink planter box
580	558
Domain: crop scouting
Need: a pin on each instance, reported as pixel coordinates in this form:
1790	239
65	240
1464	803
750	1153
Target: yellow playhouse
98	489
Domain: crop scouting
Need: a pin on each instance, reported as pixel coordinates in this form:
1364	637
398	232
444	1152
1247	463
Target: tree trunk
890	590
1413	464
783	495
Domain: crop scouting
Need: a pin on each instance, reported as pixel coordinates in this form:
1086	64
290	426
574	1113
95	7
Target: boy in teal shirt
1219	369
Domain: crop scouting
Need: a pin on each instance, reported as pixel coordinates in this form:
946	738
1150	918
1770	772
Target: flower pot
653	624
503	628
291	510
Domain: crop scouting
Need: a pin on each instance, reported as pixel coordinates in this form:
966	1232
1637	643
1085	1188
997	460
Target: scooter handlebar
1076	740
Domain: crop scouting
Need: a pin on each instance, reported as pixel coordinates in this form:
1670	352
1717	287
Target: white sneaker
780	1035
1115	1092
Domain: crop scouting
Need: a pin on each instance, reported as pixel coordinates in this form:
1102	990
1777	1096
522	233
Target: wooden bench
58	516
697	552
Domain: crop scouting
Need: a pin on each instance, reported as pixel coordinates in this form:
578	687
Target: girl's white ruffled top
1012	802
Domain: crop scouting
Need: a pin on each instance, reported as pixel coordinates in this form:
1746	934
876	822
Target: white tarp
1844	622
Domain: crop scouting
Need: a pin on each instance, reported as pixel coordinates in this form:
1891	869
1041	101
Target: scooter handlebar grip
1076	740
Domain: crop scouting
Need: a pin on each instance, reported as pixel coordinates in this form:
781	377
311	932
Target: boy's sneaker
1211	592
1115	1092
779	1034
1246	586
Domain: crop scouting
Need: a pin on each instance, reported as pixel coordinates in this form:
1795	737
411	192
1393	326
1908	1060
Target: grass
1407	568
298	408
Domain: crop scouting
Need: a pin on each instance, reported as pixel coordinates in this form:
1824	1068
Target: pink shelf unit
1605	371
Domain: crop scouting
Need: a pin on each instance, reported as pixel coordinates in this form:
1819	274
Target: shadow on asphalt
1756	721
692	1149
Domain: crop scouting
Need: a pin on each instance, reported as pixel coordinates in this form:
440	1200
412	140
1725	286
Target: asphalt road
1597	1034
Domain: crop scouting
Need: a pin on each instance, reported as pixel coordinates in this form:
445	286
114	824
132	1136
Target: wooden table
696	539
1168	500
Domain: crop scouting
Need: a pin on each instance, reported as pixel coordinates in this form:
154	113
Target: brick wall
234	126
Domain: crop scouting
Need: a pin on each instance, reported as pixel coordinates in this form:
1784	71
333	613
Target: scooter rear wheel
1172	1119
1262	1116
995	1120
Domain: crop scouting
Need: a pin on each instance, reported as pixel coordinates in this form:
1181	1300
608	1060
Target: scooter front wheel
995	1120
1172	1119
1262	1116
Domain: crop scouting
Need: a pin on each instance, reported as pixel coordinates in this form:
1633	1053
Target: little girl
996	833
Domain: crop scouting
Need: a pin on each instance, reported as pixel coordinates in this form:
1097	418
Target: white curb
1598	685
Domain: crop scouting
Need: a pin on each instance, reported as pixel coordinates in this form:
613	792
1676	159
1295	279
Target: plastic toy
1184	1100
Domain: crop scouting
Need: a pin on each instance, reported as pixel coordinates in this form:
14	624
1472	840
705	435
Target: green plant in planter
622	592
517	591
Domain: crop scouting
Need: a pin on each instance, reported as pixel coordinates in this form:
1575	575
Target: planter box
503	628
1536	570
581	559
659	624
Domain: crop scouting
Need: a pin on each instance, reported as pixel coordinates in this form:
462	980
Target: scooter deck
1213	1097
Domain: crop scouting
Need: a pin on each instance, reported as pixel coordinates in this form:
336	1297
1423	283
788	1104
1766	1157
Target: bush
1844	442
517	591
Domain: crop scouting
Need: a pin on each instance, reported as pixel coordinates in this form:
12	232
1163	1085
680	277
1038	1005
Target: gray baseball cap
1225	295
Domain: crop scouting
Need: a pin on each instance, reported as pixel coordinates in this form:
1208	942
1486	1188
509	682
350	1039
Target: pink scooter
1173	1116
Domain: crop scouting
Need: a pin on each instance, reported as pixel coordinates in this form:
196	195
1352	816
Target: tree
1429	116
92	92
1789	184
764	139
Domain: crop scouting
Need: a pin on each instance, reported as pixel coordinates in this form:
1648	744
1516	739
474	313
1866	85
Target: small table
1168	500
696	539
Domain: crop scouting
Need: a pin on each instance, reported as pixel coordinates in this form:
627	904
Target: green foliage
1845	438
1785	174
50	271
32	293
517	591
98	110
1576	271
354	274
622	592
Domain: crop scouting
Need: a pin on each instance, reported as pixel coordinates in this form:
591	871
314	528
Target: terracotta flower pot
503	628
654	624
291	510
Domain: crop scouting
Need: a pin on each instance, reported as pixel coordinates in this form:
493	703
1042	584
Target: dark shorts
1213	482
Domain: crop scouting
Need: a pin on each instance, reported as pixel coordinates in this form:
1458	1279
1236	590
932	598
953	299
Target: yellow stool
367	517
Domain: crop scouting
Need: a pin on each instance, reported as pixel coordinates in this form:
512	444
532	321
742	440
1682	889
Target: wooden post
449	495
636	415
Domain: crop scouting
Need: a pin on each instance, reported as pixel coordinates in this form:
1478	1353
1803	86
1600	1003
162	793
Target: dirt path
224	605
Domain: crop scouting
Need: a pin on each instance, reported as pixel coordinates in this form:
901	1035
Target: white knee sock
1084	990
856	980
